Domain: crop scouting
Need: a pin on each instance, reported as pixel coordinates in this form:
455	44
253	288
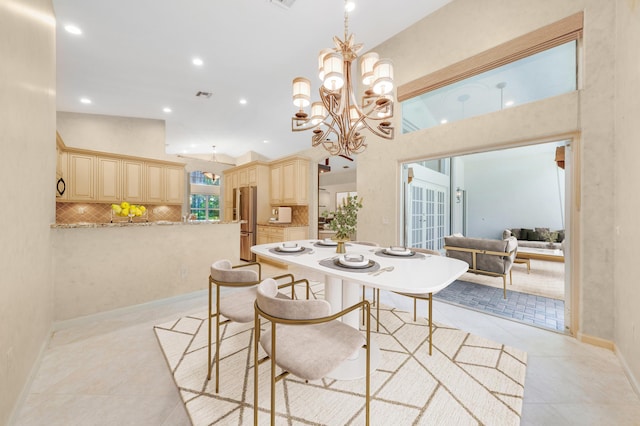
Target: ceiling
134	58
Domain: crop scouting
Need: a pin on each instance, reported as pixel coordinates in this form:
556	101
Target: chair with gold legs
310	341
426	296
237	305
364	288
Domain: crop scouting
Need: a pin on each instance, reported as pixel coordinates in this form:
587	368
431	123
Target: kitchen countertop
134	224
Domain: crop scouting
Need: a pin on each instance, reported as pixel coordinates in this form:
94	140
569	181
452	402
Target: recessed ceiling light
72	29
166	109
85	100
197	62
349	6
444	121
508	103
243	101
265	141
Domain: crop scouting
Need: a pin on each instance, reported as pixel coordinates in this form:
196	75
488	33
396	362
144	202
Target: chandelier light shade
301	92
338	120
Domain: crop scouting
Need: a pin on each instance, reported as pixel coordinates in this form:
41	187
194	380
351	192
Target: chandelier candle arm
337	120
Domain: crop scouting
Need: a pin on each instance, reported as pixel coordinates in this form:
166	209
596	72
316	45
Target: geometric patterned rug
468	380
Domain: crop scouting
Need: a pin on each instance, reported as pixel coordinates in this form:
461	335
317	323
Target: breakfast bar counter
101	267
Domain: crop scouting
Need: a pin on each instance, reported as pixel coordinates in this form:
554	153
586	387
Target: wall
437	41
627	231
519	188
27	170
139	137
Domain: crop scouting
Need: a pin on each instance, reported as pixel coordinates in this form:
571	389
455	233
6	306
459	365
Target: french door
427	214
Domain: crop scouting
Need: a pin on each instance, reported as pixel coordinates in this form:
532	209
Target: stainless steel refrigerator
246	206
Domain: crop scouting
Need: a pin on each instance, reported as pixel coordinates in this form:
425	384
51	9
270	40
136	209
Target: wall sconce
458	194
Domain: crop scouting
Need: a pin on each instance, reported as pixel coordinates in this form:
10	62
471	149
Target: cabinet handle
64	186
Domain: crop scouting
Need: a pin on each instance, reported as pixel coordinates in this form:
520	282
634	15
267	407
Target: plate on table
327	242
398	251
368	264
354	261
289	248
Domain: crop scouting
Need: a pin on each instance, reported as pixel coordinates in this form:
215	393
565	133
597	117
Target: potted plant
345	220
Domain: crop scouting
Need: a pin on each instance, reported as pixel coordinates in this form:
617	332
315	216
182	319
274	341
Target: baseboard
627	371
26	389
64	324
595	341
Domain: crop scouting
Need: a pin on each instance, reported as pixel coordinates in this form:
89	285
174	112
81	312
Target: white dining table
417	274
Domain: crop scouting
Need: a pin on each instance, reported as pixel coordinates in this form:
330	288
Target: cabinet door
276	181
108	179
253	176
174	184
297	233
276	235
81	177
155	183
289	183
243	177
132	181
262	235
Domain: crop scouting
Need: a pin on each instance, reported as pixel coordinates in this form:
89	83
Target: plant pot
340	248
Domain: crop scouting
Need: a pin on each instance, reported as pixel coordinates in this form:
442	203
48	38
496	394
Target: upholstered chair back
221	271
287	308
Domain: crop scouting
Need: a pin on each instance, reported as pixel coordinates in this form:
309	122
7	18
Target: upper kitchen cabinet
133	180
82	177
290	182
109	179
98	177
255	173
165	184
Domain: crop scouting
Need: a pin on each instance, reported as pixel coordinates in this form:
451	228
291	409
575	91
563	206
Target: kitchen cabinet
174	184
92	176
276	234
164	184
290	182
133	181
109	179
255	174
81	184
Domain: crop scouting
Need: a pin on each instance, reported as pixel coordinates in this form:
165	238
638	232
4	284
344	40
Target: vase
340	248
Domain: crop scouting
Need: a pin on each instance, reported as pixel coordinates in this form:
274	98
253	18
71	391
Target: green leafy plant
345	218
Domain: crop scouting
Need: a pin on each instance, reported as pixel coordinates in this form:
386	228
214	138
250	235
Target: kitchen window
205	207
204	198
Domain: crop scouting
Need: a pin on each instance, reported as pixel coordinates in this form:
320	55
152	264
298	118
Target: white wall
27	172
517	188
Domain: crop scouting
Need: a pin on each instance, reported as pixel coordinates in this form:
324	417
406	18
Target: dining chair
237	305
424	296
311	342
364	288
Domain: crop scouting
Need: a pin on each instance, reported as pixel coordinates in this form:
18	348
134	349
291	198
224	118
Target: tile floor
108	370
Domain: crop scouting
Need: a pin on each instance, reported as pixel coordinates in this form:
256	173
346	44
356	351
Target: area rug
545	279
468	380
526	308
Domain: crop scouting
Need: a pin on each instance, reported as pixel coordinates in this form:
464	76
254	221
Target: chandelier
337	120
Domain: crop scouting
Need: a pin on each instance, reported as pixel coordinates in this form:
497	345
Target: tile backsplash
300	215
101	213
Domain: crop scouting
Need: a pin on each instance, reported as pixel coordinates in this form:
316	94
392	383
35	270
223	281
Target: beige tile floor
109	370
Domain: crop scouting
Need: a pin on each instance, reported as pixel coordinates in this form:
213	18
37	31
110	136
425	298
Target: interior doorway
489	195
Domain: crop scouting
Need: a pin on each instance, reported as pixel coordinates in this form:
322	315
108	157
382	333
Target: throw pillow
534	236
553	237
524	234
516	233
